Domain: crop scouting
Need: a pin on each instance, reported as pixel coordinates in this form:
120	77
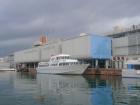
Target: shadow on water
26	75
103	81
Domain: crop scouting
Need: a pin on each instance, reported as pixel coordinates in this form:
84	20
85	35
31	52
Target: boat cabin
133	64
59	60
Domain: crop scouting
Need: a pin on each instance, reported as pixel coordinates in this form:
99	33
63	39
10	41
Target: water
43	89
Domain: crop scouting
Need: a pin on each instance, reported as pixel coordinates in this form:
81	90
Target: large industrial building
125	45
94	49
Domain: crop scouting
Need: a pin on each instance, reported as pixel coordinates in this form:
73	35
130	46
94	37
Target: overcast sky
22	21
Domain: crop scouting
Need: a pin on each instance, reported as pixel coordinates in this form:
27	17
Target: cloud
10	46
16	41
60	19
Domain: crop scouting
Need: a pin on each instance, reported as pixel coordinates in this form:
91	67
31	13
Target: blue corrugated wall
100	47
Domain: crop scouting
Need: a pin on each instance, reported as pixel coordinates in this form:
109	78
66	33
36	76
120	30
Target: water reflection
103	88
43	89
132	91
63	90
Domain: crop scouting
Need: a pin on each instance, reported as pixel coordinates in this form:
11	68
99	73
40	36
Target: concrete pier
26	67
110	71
32	70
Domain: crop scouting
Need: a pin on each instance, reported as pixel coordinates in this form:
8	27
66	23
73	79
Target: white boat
62	64
133	69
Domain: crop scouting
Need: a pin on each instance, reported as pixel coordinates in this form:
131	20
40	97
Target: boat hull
72	69
131	73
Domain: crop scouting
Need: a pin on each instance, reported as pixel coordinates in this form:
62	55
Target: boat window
67	57
73	63
136	67
53	64
57	58
60	57
63	64
60	64
66	63
43	65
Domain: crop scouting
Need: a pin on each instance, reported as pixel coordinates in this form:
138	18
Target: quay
102	71
88	71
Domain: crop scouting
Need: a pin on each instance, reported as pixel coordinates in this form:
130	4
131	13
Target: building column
116	64
111	64
34	66
106	64
96	63
92	63
124	65
120	64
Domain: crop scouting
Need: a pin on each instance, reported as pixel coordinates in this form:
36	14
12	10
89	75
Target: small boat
62	64
5	66
133	69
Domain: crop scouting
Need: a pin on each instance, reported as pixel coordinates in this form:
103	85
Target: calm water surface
43	89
